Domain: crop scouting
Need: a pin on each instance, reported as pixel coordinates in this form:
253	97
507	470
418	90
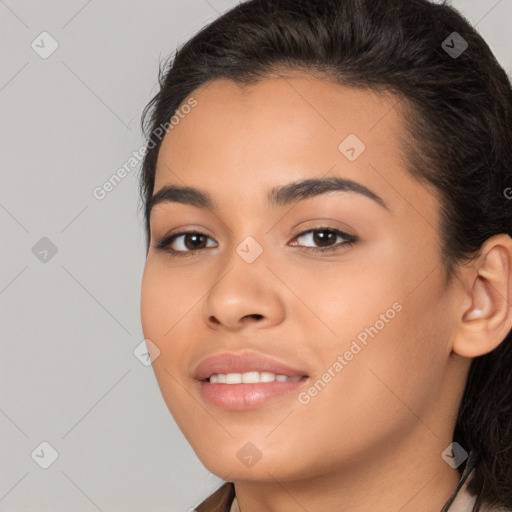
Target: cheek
400	368
349	295
390	332
375	400
164	305
153	298
166	298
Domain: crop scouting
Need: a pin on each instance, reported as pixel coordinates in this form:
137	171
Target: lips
257	373
243	362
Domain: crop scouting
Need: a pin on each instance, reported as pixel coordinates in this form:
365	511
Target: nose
244	294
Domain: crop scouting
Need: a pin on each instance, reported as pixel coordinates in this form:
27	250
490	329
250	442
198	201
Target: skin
391	411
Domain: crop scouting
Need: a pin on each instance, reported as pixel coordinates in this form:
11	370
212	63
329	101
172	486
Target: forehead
280	115
239	137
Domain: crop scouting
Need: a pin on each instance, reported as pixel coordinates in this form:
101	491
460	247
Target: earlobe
488	319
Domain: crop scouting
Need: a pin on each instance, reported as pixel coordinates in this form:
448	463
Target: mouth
245	368
252	377
243	381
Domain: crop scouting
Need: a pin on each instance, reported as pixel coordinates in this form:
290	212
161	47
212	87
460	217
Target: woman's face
367	325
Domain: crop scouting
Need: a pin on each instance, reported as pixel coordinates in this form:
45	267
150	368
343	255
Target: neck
411	478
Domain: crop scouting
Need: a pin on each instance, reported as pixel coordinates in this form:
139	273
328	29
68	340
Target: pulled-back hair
458	116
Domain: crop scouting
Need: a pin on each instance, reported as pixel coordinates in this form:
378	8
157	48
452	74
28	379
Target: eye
190	242
325	237
185	243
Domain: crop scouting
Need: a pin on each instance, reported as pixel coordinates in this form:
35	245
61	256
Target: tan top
234	506
464	501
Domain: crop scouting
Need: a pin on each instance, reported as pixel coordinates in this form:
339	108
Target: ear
485	317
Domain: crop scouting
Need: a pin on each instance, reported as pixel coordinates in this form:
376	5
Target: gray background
70	323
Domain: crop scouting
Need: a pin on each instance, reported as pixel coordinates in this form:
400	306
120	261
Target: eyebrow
277	196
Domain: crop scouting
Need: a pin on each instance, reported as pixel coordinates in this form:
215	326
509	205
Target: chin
242	464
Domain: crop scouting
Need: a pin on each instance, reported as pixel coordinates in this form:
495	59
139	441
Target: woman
328	279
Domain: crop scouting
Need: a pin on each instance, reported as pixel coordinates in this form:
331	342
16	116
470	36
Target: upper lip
242	362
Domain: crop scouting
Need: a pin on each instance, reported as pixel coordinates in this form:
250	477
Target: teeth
233	378
267	377
250	378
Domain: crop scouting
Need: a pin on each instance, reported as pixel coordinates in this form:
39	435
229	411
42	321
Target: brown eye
194	241
325	239
184	243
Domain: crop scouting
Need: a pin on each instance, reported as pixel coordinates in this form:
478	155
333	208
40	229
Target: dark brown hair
459	142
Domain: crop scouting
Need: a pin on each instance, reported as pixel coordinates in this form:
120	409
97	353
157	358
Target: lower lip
242	397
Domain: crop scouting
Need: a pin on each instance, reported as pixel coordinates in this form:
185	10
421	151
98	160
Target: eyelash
164	243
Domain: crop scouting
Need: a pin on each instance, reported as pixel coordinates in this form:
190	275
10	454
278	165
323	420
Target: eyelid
181	230
323	223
